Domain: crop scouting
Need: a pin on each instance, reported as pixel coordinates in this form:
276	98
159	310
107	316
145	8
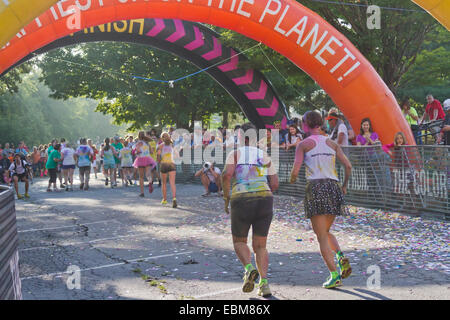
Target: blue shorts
213	187
72	166
107	166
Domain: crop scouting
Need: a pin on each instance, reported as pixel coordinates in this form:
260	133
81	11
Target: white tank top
320	161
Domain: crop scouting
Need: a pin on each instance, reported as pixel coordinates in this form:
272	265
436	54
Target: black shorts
20	177
256	212
167	167
52	174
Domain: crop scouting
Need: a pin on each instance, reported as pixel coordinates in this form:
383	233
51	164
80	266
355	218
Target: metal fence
413	179
10	288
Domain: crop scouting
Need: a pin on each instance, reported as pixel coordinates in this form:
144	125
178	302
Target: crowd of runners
146	158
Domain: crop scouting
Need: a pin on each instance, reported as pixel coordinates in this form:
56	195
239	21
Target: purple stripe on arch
269	112
232	64
216	52
198	42
246	79
260	94
159	26
179	31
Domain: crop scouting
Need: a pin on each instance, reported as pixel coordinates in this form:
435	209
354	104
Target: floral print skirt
324	196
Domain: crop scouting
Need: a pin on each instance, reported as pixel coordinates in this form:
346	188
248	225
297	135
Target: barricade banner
412	179
10	286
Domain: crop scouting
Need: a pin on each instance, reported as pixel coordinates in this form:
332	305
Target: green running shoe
249	280
163	202
344	266
264	290
332	282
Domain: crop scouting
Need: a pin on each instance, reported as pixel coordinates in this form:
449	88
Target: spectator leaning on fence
399	140
350	131
445	131
339	132
367	136
433	111
293	137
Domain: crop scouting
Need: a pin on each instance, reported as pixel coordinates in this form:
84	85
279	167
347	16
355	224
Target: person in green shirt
117	146
52	163
52	146
411	117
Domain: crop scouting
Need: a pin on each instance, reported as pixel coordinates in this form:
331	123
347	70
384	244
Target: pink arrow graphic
260	94
179	33
232	64
269	112
198	42
246	79
159	26
216	52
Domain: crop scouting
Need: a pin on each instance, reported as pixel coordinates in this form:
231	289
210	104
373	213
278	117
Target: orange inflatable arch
284	25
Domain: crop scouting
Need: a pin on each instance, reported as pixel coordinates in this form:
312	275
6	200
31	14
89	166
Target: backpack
25	165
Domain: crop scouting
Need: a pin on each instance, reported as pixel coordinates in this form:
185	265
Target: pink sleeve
386	147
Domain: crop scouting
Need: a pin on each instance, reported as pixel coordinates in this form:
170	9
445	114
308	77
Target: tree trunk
225	122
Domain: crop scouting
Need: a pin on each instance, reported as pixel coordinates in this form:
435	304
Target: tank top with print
166	153
250	173
320	161
108	157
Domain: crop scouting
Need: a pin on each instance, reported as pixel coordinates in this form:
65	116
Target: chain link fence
413	179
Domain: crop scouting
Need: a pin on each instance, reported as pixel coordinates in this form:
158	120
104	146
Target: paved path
132	248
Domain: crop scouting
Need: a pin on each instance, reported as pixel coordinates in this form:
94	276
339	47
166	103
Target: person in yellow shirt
167	167
412	118
154	144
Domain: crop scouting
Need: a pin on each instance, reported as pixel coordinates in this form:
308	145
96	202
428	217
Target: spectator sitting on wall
211	179
339	132
367	136
445	131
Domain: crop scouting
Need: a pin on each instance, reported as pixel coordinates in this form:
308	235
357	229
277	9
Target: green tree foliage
9	82
431	71
103	71
31	115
